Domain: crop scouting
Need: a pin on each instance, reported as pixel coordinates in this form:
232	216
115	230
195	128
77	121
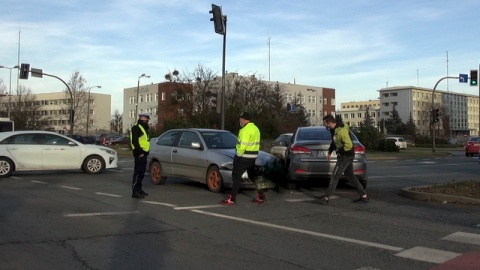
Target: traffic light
24	70
217	19
473	77
436	116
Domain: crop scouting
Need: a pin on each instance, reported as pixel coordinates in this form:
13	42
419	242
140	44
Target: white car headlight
227	165
110	151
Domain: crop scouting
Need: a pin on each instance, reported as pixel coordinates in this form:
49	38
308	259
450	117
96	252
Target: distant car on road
44	150
205	156
279	146
400	142
472	147
307	156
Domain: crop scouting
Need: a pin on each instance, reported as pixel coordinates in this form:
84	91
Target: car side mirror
197	145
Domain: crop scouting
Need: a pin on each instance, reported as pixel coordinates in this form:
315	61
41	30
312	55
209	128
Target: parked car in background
44	150
400	142
472	147
123	140
306	156
205	156
279	146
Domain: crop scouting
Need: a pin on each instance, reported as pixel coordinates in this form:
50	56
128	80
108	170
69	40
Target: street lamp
138	90
316	102
88	106
9	89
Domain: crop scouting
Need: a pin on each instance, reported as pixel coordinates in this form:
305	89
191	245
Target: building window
164	96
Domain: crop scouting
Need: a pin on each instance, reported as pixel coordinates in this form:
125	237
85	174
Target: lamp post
138	90
9	90
88	106
316	102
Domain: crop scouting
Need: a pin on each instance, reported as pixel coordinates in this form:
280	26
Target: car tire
214	180
6	167
93	164
156	174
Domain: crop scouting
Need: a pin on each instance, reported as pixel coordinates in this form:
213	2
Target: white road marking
39	182
101	214
74	188
334	237
108	194
198	207
159	203
462	237
428	254
310	199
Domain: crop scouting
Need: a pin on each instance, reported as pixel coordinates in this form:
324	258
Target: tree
394	125
411	128
368	135
80	100
26	112
116	123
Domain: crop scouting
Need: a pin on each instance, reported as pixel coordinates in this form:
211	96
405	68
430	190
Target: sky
356	47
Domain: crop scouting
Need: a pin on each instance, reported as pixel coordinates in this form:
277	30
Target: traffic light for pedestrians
473	77
24	70
217	19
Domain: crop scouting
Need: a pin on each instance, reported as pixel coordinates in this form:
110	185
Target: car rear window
313	134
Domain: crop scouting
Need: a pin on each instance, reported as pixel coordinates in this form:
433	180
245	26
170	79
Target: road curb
409	192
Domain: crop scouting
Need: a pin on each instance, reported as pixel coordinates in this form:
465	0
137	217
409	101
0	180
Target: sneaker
363	199
143	193
259	199
228	201
137	195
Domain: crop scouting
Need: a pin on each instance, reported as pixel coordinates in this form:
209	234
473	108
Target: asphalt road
70	220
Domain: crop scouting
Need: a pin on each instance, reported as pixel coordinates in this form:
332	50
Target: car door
188	158
162	150
26	151
60	153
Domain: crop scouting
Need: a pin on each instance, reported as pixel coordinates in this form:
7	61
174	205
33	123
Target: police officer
139	140
247	148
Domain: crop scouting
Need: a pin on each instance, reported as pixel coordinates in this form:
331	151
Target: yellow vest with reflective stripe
142	140
248	143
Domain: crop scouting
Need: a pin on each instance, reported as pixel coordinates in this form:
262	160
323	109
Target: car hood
94	146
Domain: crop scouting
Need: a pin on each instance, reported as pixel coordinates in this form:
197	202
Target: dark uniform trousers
140	165
240	165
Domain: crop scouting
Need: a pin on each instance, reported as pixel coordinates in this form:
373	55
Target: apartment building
460	111
161	100
354	113
55	112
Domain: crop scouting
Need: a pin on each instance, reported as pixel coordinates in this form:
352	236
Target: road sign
463	78
36	72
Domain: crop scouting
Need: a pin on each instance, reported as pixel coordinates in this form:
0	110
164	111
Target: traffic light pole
432	124
223	70
72	112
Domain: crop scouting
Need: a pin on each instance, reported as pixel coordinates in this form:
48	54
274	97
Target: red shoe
228	201
259	199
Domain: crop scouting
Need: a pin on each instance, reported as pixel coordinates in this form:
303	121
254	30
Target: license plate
325	154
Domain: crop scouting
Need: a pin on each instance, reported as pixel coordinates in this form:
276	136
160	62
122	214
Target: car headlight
227	166
109	151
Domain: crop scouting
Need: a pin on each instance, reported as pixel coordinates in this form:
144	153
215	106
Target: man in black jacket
139	139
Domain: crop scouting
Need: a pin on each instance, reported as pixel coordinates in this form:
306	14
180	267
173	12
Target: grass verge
469	189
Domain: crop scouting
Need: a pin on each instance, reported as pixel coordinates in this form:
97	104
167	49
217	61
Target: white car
399	142
43	150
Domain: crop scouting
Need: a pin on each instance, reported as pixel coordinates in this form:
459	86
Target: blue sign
463	78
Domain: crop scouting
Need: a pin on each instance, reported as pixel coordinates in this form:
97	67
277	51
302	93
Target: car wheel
6	167
156	174
214	179
93	165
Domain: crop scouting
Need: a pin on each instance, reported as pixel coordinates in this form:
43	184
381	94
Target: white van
399	142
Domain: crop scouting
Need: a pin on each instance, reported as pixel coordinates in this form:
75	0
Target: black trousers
240	165
140	166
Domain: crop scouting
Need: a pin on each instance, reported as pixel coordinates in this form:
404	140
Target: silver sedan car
205	156
307	156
